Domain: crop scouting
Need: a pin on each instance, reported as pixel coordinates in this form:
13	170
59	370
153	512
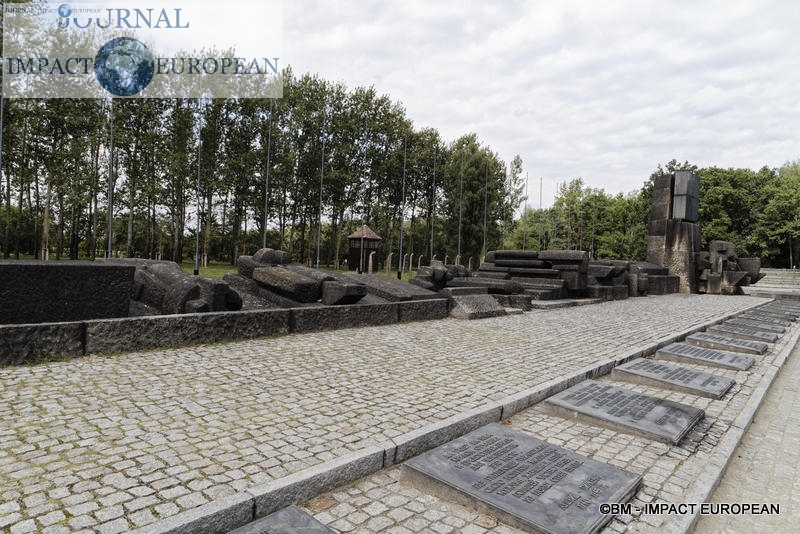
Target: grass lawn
218	270
214	270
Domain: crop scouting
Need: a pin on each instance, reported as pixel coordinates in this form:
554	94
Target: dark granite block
288	283
334	292
389	288
503	287
245	266
524	264
62	291
268	256
686	208
515	255
686	183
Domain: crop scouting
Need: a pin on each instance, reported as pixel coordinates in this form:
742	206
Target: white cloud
601	90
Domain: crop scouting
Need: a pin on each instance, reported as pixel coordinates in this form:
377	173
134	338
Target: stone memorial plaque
742	333
755	325
625	410
774	314
713	341
778	311
783	306
291	520
671	376
751	316
683	352
523	481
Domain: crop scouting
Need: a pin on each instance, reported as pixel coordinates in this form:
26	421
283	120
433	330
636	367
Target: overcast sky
600	90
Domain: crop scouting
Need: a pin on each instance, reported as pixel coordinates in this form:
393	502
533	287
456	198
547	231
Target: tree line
759	211
292	172
315	165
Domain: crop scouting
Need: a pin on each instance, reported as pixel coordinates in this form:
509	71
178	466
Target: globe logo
64	10
124	66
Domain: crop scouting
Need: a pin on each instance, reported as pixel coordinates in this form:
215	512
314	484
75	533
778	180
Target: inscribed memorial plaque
755	325
522	480
742	333
674	377
774	314
711	341
761	318
626	410
686	353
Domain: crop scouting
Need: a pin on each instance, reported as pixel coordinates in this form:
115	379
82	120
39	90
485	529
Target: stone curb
703	488
21	343
223	515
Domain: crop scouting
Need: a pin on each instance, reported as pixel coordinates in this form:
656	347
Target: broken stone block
475	307
268	256
506	287
334	292
178	294
245	266
218	294
288	283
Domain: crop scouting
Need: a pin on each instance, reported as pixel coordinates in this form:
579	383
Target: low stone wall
139	333
29	343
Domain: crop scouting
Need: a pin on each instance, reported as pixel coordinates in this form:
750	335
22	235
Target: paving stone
204	401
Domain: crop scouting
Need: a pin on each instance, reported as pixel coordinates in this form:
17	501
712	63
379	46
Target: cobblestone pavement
109	443
765	468
384	502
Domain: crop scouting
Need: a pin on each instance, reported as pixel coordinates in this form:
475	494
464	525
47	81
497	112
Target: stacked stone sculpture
271	277
674	243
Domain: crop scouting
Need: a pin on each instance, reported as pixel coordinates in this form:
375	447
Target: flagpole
111	186
321	177
433	199
485	205
402	208
266	187
524	220
460	205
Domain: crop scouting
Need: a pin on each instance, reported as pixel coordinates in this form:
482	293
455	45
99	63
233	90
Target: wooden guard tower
371	243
